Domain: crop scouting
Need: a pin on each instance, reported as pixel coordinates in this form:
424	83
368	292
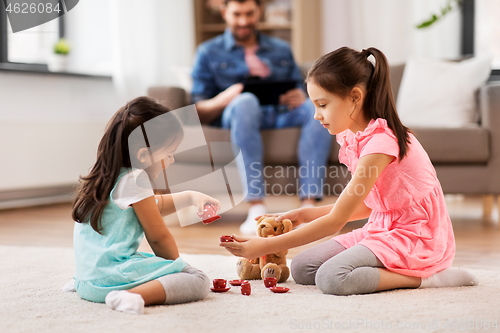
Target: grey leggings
189	285
336	270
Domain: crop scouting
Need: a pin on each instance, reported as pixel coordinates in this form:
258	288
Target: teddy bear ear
287	225
261	218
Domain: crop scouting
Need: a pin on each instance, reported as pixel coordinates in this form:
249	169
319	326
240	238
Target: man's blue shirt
220	63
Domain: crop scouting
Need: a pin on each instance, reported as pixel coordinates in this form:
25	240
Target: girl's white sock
69	287
450	277
124	301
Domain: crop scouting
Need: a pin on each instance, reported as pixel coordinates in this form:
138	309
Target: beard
243	34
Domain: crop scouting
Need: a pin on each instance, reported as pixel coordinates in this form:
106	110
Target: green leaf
428	23
444	11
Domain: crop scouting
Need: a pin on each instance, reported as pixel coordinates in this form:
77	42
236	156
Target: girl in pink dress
408	240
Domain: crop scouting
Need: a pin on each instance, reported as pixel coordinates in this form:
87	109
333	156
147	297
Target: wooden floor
477	239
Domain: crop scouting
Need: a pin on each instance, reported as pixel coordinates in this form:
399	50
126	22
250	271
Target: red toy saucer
211	219
220	290
279	290
236	282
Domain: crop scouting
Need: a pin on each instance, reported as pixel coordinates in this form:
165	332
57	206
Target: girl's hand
293	215
245	247
200	200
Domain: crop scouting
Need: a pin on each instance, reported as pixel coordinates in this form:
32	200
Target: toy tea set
256	268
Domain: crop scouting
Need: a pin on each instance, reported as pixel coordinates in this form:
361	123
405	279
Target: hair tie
365	53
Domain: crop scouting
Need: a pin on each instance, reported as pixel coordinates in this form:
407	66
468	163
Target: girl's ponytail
343	69
379	101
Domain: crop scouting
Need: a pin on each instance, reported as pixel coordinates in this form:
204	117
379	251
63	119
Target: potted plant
58	61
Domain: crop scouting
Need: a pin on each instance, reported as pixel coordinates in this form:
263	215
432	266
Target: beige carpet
31	300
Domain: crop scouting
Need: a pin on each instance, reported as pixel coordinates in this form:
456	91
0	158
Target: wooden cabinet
301	27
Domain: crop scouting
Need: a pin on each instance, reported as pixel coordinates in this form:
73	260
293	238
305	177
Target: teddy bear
270	265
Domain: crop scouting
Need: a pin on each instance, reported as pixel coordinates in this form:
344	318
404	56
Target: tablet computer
268	92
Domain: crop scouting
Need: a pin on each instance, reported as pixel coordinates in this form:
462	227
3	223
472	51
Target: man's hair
241	1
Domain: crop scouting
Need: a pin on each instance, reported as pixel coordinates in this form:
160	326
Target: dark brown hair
241	1
115	151
338	72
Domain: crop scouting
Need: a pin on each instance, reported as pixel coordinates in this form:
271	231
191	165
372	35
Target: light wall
50	127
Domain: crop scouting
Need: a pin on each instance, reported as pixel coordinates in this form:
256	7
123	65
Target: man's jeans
245	118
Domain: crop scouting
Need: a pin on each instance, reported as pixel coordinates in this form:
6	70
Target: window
32	45
480	31
487	30
28	49
3	33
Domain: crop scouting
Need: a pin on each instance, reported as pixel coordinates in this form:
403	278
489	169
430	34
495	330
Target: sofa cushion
436	93
455	145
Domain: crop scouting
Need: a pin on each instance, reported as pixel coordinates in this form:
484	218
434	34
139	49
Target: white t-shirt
132	187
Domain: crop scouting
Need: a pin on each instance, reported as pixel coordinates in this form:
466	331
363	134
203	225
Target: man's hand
293	98
210	109
226	96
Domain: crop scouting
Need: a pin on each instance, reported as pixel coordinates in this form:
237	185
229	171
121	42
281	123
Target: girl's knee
297	270
302	270
333	282
203	284
200	284
204	289
343	281
204	281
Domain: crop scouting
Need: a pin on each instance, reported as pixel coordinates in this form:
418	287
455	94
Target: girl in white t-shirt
116	206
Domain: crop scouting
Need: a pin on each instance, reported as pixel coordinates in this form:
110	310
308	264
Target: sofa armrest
490	119
171	97
490	105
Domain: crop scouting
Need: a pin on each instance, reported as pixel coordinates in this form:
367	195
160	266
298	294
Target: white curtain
390	25
150	38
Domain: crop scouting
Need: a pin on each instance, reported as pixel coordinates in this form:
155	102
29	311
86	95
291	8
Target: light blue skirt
139	269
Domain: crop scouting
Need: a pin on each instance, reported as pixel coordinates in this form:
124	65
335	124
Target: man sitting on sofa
221	65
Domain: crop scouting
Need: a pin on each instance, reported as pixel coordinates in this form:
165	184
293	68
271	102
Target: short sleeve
132	187
379	143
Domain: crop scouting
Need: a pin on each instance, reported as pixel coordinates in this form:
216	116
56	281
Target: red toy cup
209	214
246	289
219	283
226	238
270	282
